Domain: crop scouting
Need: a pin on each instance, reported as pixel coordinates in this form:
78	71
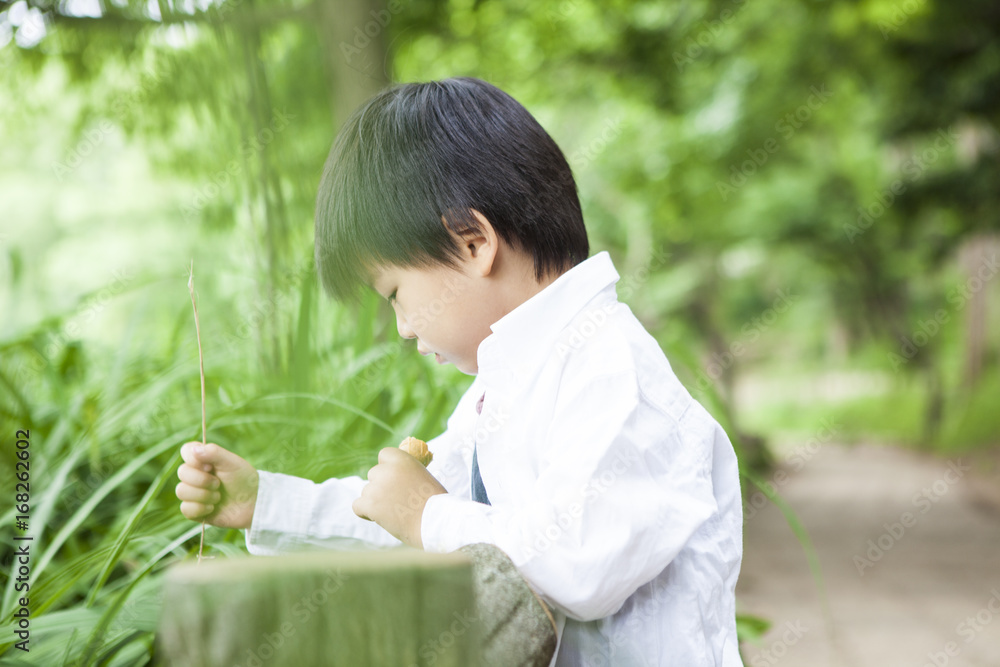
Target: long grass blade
130	525
331	401
112	610
43	510
102	492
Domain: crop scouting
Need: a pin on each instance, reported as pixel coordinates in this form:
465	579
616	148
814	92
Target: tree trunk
394	607
934	412
397	607
354	41
973	257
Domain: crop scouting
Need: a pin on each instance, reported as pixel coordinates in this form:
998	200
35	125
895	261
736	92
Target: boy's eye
391	297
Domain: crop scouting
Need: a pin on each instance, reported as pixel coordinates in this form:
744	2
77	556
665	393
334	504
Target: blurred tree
218	86
842	151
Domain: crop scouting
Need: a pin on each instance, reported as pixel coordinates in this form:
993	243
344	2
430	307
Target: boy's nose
403	328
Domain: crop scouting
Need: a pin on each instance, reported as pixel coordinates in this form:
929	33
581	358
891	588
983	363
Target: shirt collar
528	330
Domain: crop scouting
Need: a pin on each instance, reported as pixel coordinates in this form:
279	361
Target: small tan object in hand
417	449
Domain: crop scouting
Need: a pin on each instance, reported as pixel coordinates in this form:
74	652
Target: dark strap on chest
478	490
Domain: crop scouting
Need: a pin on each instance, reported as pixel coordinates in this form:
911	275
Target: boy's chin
468	369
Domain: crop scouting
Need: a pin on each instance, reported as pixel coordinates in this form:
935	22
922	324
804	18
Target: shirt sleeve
620	491
292	513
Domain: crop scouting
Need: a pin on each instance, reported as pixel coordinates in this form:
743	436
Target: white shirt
613	491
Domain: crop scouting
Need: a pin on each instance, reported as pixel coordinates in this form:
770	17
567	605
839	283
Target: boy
575	450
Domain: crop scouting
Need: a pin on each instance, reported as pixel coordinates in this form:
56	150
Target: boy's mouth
437	357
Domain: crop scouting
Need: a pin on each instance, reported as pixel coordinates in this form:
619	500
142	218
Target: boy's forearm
292	513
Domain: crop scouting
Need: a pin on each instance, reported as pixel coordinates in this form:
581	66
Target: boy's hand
216	486
395	495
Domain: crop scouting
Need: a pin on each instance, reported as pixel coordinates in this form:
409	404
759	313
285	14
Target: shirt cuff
450	522
281	514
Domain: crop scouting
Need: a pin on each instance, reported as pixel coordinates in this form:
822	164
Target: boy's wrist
253	494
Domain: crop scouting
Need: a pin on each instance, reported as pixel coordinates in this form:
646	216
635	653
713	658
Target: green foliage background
796	194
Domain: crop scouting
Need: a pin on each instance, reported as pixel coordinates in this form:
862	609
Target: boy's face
443	308
449	310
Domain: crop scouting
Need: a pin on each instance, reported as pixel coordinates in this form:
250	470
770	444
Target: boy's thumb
197	452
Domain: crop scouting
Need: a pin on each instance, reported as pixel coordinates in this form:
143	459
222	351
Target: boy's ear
479	245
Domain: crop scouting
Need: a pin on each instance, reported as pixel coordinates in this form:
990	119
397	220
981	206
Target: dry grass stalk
201	368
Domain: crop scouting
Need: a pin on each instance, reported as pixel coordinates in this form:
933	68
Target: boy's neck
518	282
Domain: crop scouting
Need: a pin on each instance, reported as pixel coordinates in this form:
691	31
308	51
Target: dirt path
909	547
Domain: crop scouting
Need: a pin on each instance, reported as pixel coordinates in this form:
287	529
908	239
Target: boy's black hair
418	153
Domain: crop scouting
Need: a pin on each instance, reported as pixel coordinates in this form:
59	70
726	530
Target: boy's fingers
195	510
194	494
388	454
359	508
195	477
189	455
203	456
